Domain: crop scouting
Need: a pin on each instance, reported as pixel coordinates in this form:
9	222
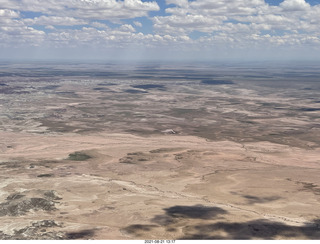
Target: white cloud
187	23
295	5
55	20
124	36
213	25
20	36
181	3
242	21
50	27
89	9
204	15
137	23
15	29
7	13
99	25
127	28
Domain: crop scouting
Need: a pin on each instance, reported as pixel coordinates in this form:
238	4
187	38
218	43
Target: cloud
99	25
7	13
85	9
55	20
294	5
241	20
199	26
127	28
16	30
181	3
137	23
20	36
205	15
50	27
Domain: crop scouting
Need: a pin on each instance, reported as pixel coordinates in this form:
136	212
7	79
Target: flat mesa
159	152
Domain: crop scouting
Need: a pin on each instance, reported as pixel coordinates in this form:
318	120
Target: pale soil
162	187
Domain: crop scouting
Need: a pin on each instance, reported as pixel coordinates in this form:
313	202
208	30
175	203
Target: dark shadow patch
133	91
177	213
181	218
138	230
78	156
84	234
50	87
257	229
107	84
100	89
44	175
164	220
254	199
194	212
67	93
150	86
309	109
216	82
174	215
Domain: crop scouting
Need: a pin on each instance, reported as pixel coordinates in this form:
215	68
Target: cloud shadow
200	222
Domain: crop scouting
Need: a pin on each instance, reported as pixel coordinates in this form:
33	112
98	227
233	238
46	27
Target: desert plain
155	151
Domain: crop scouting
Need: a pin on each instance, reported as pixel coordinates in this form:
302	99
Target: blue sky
160	29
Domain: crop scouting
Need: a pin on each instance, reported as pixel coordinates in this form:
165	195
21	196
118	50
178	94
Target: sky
193	30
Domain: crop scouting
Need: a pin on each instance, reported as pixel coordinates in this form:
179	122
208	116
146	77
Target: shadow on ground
84	234
253	199
201	222
257	229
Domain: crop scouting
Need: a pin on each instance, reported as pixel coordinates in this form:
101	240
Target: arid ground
213	151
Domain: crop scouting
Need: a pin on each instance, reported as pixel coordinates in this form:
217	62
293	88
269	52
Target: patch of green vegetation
78	156
45	175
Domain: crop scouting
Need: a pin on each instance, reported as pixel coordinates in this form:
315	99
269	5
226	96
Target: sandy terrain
85	160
